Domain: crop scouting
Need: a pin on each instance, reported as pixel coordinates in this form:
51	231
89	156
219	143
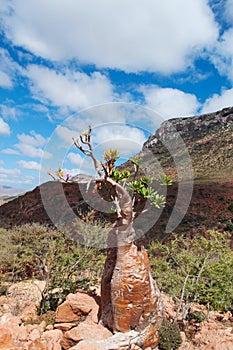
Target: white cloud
5	80
229	11
65	134
170	102
73	89
217	102
125	138
4	171
83	164
7	112
4	128
221	54
31	165
30	145
10	151
75	159
32	151
131	35
8	69
34	139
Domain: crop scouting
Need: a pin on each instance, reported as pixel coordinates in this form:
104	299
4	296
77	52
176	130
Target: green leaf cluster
164	180
120	176
142	188
111	155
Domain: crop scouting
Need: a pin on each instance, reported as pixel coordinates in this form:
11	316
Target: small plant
169	336
230	207
196	316
165	180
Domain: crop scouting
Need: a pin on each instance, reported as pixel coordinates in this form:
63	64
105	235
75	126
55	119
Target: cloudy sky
65	64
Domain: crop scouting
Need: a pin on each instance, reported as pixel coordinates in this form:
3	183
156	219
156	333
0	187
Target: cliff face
208	138
192	127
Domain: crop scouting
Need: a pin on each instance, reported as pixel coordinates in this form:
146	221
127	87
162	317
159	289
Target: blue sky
134	63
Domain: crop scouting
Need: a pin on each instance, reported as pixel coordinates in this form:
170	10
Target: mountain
208	139
8	191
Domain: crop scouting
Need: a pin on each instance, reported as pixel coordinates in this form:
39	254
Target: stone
53	337
64	313
35	334
115	342
85	345
83	331
6	340
23	298
64	326
75	307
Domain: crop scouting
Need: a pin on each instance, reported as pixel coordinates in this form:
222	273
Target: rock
64	326
64	313
53	337
35	334
85	345
23	298
6	340
84	330
49	327
75	307
115	342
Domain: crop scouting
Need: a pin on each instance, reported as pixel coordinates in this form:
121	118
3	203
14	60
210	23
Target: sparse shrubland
35	251
198	269
195	270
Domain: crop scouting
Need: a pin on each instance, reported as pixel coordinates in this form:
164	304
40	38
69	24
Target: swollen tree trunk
130	298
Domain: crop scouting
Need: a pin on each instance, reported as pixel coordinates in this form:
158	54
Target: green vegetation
169	336
195	270
34	251
198	269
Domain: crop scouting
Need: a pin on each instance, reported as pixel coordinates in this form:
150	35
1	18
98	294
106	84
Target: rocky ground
75	324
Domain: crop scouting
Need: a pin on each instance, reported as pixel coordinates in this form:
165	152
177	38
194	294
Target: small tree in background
130	297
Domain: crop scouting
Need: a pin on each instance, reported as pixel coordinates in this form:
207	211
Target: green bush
204	265
36	251
230	207
169	336
197	316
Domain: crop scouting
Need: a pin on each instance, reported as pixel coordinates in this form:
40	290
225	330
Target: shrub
36	251
197	316
200	268
169	336
230	207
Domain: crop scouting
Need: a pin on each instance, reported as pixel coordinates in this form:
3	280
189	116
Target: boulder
76	307
23	298
83	331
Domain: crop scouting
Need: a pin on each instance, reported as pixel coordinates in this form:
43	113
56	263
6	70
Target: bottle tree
130	298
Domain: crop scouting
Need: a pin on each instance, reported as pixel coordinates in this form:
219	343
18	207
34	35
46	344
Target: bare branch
50	174
88	152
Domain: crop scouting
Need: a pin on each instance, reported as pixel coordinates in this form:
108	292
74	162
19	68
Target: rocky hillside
208	138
